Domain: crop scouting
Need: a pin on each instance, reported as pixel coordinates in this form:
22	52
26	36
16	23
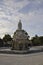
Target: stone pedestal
20	38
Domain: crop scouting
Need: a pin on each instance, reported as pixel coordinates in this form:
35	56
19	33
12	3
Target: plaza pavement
23	59
28	59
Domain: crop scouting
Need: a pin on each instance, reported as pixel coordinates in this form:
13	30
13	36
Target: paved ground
14	59
26	59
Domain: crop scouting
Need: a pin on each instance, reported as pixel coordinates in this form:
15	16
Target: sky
30	12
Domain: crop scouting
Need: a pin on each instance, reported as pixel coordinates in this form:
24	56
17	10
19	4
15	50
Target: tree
1	42
6	39
35	40
41	40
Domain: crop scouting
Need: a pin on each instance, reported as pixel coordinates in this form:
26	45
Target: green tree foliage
35	40
7	40
7	37
41	40
1	42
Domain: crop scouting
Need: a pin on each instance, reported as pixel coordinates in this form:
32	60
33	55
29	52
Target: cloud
18	0
32	6
29	11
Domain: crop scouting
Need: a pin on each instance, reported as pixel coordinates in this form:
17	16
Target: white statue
19	25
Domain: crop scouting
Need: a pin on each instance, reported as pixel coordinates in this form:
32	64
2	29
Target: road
28	59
